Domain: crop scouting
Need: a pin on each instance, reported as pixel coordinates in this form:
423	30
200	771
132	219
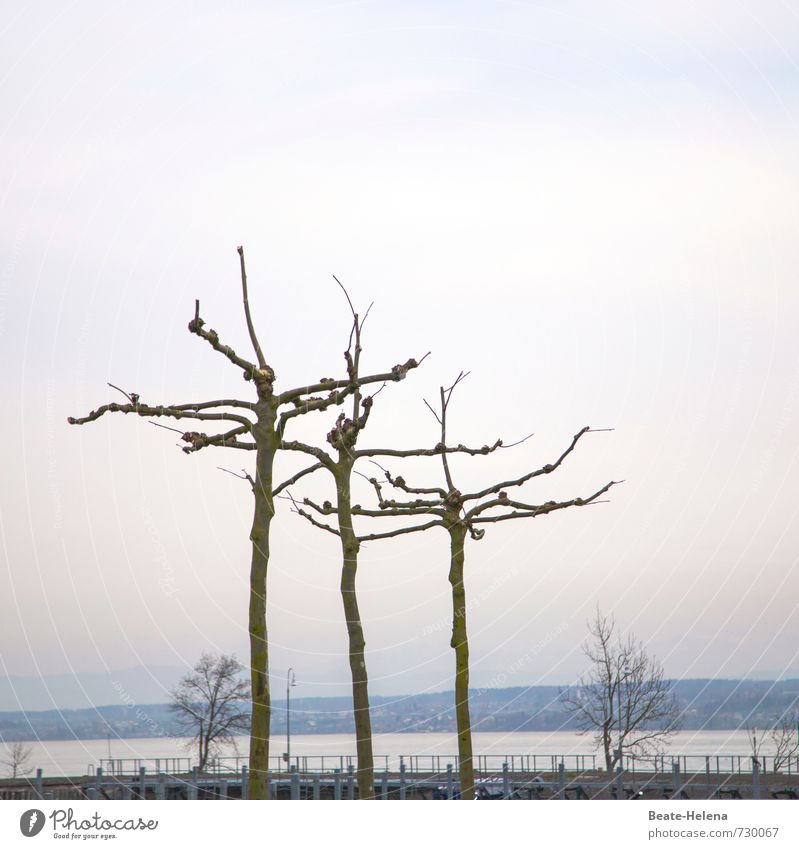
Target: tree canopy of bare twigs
257	425
460	514
17	758
210	704
623	699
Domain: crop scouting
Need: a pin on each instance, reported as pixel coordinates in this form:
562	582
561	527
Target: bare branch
309	518
198	441
530	510
401	531
544	470
294	478
243	476
429	452
322	456
396	374
160	410
399	483
250	328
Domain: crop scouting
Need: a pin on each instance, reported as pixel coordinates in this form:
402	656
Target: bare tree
258	425
210	704
17	758
460	515
623	699
343	438
785	739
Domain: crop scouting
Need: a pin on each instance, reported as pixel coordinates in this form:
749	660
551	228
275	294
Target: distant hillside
139	685
707	704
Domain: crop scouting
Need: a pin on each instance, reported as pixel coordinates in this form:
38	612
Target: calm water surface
76	757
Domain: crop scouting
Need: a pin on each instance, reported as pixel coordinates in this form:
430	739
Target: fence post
350	782
675	769
317	790
98	780
755	779
159	787
561	781
707	775
619	782
450	787
505	781
384	783
192	790
402	779
245	782
142	783
38	784
337	784
223	789
294	778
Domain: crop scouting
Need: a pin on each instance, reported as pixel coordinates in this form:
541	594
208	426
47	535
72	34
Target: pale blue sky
592	206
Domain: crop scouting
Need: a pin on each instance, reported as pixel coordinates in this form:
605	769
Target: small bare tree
785	739
210	704
17	758
623	699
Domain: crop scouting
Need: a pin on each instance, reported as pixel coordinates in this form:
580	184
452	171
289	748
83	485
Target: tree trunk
460	642
607	743
259	650
357	644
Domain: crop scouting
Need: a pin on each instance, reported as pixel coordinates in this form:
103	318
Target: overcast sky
591	206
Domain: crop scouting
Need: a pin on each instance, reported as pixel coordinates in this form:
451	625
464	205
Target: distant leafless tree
210	704
784	735
17	758
623	699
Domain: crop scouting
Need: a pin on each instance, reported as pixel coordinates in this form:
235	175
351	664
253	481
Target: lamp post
291	681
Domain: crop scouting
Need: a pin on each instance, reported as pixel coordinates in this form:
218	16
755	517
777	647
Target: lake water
77	757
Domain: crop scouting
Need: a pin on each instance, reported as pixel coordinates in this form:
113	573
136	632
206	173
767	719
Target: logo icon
31	822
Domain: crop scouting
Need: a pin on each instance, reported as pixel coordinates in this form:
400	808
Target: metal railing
437	764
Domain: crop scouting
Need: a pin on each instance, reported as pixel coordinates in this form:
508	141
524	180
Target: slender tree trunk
607	742
460	642
357	644
259	649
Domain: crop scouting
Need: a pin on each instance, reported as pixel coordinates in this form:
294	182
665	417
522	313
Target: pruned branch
396	374
544	470
180	412
294	478
322	456
523	511
250	328
400	531
435	451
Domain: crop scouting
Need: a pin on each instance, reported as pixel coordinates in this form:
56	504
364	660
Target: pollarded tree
461	515
343	438
209	704
257	425
623	699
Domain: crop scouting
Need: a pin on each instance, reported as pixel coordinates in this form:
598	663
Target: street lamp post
291	681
